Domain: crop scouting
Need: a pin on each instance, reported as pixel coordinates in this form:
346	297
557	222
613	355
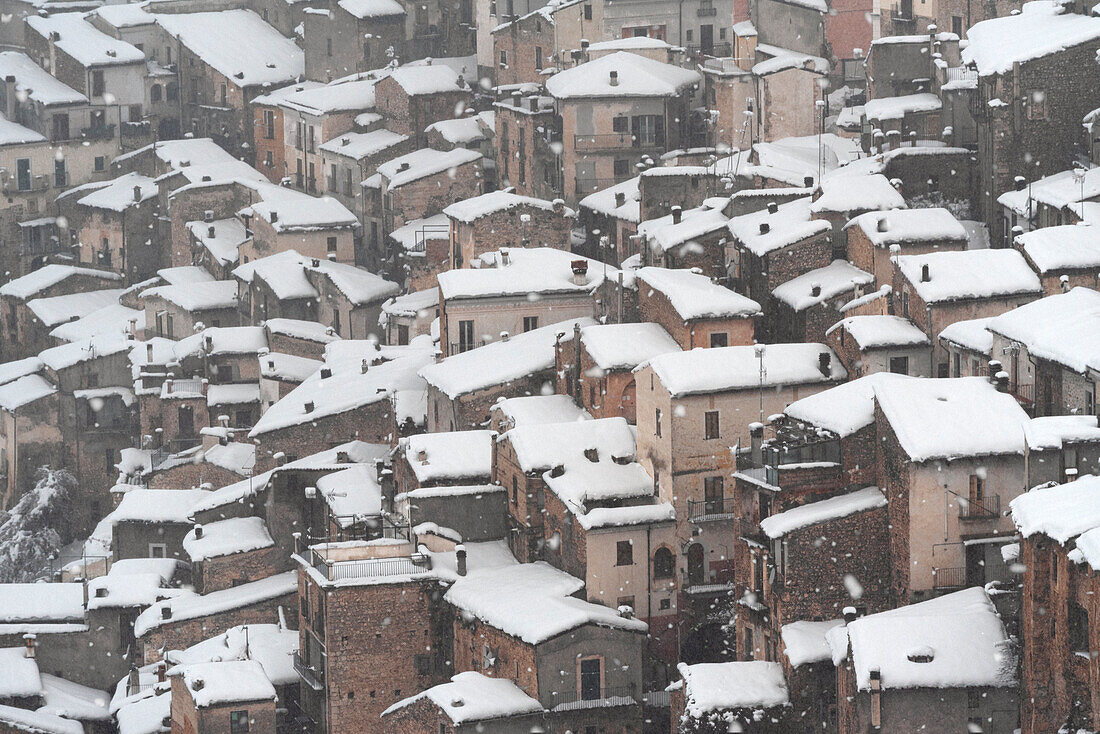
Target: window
100	163
665	604
158	550
61	127
515	490
269	159
591	678
222	94
956	365
269	124
423	664
99	86
465	336
503	59
1036	105
588	12
530	323
719	339
957	25
23	174
60	176
538	58
1078	629
328	46
330	244
905	303
976	496
402	334
336	320
690	36
899	365
1090	402
711	428
620	124
657	423
238	722
663	564
225	373
624	553
622	167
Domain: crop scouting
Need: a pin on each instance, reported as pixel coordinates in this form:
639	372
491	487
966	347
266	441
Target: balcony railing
989	508
460	347
616	141
98	132
728	64
714	49
313	677
361	568
608	696
706	12
707	510
949	578
1025	393
429	232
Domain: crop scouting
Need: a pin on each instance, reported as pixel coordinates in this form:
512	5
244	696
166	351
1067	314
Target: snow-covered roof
805	642
225	682
72	700
37	83
960	632
21	677
906	226
47	276
37	722
460	130
416	231
603	201
128	15
145	714
433	79
896	108
157	505
812	513
226	537
270	645
238	44
469	210
471	697
717	687
1054	431
229	235
10	371
952	418
969	274
415	304
372	8
353	494
340	96
68	355
789	225
199	606
695	296
638	76
197	296
738	368
287	210
283	272
533	602
625	346
782	59
362	145
499	362
119	194
1087	549
539	409
625	44
24	391
849	194
1068	247
358	285
184	274
55	310
312	331
836	278
1041	28
40	603
880	331
84	42
1061	512
133	585
663	234
423	163
1063	328
543	270
970	334
452	457
845	408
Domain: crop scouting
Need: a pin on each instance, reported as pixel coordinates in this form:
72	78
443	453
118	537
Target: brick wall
224	572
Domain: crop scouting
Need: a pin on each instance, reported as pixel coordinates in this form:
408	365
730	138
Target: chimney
620	199
210	231
166	611
994	367
162	672
149	351
677	215
765	228
137	193
403	167
925	274
883	225
208	216
772	207
558	205
198	531
308	406
808	182
326	372
205	386
533	103
274	216
815	289
1064	280
850	615
344	141
1020	183
557	470
824	363
207	179
460	559
422	456
613	79
198	684
280	458
1001	381
30	643
756	443
580	272
364	366
504	256
592	454
504	336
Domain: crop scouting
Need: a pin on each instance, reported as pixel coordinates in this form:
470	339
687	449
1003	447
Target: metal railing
615	141
949	578
341	570
728	64
421	236
717	508
714	49
313	677
189	385
1025	392
989	508
608	696
460	347
961	74
98	132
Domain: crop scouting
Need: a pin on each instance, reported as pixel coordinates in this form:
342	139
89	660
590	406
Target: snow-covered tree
37	526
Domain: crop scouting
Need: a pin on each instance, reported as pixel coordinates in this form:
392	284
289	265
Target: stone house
1061	448
174	311
420	184
695	311
411	98
30	433
409	316
500	220
223	696
804	308
270	141
418	252
969	347
493	301
1057	554
152	523
615	110
352	38
872	237
306	339
1065	257
526	134
549	37
442	460
489	705
871	344
317	227
710	697
219	77
946	486
572	651
463	387
960	632
691	239
596	367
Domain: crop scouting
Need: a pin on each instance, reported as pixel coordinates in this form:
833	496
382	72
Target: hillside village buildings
571	366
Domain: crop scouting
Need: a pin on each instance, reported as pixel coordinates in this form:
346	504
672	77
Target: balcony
578	700
706	12
460	347
429	232
949	578
333	567
311	676
98	132
713	509
728	65
988	508
715	49
616	141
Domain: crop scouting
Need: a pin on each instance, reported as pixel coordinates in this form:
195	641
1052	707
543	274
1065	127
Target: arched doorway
628	402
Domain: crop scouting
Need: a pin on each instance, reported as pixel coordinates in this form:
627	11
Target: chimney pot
580	272
364	366
137	193
677	215
274	216
773	208
198	531
404	166
30	643
1021	183
208	216
166	611
504	256
162	672
808	181
620	199
815	289
504	336
765	228
824	363
850	615
309	406
460	559
925	273
613	79
326	373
